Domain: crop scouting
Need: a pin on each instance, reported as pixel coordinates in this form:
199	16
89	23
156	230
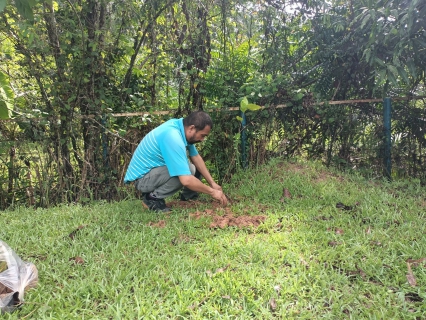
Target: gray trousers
159	182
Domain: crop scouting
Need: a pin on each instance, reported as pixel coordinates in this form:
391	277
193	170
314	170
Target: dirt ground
221	217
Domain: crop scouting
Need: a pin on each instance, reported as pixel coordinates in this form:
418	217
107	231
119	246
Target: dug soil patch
221	217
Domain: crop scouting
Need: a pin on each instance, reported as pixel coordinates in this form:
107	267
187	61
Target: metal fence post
387	107
243	140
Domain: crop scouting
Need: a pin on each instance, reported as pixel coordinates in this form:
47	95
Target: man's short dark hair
199	119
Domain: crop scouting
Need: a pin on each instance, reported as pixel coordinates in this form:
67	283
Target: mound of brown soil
221	217
224	217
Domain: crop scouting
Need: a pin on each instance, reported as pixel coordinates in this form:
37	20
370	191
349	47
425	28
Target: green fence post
387	107
243	140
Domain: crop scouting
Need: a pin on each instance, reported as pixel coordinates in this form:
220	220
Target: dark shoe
187	197
157	205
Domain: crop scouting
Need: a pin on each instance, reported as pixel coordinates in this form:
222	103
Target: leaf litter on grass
159	224
414	263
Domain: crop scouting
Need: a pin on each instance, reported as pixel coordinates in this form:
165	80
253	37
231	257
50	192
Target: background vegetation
68	68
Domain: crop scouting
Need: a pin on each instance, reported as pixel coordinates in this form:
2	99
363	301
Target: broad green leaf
239	118
6	97
412	68
243	104
4	110
2	5
25	8
298	96
379	61
381	74
393	69
4	84
367	54
244	101
403	74
253	107
365	20
420	42
391	76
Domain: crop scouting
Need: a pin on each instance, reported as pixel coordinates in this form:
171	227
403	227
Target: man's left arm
201	167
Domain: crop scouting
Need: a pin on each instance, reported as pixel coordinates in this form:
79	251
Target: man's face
194	136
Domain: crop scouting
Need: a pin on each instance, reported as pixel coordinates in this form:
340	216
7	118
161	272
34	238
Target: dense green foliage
68	68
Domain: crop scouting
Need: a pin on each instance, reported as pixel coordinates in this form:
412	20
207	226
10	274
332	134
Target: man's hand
215	186
219	195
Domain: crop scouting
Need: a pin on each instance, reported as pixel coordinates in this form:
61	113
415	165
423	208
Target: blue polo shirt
165	145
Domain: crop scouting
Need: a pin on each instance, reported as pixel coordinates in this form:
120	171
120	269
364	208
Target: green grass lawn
332	246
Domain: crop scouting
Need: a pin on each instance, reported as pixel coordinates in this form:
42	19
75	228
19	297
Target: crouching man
159	166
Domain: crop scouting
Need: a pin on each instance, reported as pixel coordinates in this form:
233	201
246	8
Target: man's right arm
195	184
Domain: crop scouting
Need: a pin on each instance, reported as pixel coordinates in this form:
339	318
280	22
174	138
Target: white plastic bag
15	277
